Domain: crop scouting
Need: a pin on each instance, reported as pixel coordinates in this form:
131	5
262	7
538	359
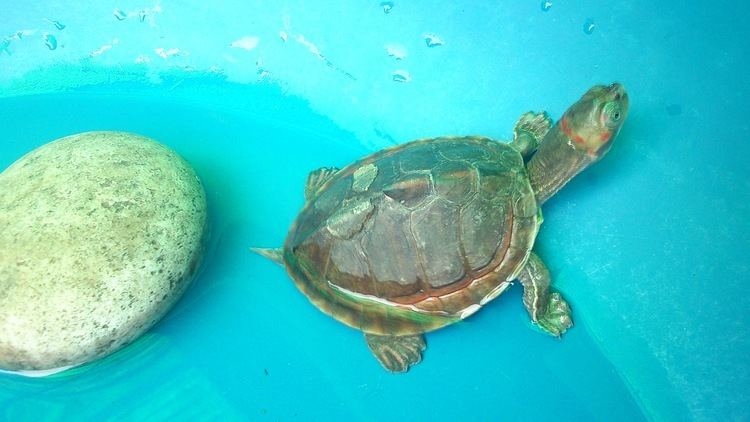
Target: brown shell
437	226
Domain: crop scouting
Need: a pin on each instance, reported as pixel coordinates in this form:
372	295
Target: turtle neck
554	163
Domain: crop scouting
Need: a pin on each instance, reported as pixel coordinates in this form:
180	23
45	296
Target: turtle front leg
529	132
549	311
317	178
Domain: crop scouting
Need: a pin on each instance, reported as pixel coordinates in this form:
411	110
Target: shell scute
465	148
390	251
483	228
523	199
439	250
348	269
411	191
417	158
455	181
388	173
349	219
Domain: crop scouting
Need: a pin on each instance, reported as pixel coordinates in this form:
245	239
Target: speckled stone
100	234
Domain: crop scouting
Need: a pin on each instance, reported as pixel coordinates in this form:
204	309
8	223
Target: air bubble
546	5
50	41
588	26
387	6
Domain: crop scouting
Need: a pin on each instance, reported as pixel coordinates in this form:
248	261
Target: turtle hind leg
396	353
317	178
548	310
529	131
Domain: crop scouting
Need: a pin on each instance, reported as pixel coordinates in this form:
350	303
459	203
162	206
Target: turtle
422	235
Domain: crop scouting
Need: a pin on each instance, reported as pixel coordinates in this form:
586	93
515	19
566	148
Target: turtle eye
612	113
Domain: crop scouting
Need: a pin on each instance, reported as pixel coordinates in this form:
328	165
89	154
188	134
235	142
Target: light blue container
650	245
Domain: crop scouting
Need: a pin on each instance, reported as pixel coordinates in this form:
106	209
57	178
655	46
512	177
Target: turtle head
582	136
593	122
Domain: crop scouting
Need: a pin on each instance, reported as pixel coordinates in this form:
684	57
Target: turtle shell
415	237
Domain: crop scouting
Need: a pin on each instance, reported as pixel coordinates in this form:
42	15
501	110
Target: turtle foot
536	124
396	353
530	130
556	320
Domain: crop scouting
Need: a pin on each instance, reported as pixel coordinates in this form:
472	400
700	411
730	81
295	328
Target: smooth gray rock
100	234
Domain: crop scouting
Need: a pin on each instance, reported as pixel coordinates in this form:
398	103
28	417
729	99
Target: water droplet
165	54
387	6
19	35
588	26
396	51
283	35
57	24
120	15
246	43
546	5
106	47
50	41
4	44
432	40
260	70
401	76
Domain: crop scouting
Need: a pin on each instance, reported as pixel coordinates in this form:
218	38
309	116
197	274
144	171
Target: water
648	245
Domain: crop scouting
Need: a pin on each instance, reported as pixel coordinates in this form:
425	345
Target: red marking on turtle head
568	131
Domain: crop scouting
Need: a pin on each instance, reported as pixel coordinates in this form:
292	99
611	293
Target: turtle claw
556	320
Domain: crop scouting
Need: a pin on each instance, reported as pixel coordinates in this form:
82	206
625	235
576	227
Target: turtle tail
274	254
